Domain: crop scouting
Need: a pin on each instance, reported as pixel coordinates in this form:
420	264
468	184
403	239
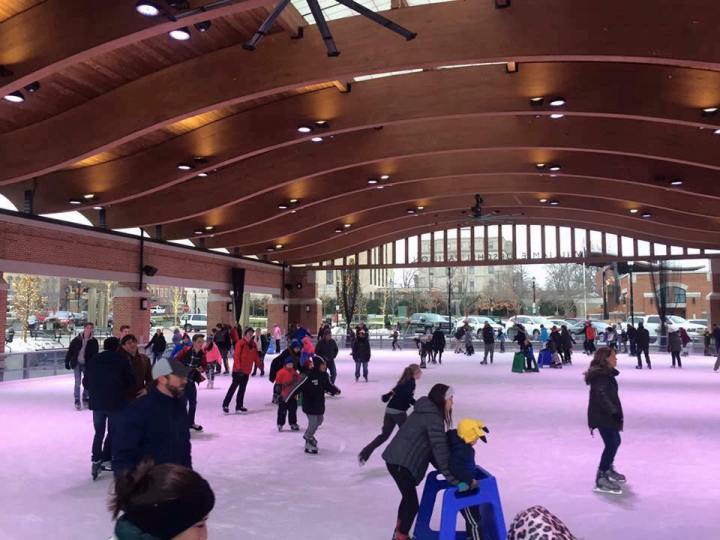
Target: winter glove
386	397
67	365
462	487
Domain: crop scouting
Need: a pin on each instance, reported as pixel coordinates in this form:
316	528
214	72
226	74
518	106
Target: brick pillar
304	305
217	308
277	314
3	311
714	297
126	310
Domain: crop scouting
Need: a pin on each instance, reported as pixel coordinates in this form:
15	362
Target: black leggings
676	356
409	505
389	423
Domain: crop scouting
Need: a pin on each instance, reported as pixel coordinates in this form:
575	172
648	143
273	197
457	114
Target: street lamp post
534	310
449	299
632	298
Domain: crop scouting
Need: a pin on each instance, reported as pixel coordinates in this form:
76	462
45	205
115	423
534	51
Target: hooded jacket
420	440
327	349
462	458
604	407
108	379
279	362
488	334
361	350
642	337
438	340
313	384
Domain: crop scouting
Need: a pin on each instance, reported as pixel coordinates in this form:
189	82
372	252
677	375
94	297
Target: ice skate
279	428
294	427
311	446
616	476
196	427
226	410
106	466
366	379
78	407
603	484
240	410
95	470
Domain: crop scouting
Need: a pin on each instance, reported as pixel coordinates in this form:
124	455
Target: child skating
286	378
313	384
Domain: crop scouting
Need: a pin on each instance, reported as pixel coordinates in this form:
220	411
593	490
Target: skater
83	347
642	345
361	355
675	346
107	378
395	344
488	335
140	365
438	345
707	337
184	342
245	355
623	339
157	345
213	357
501	337
426	350
462	466
685	339
286	379
398	400
544	335
589	344
566	343
161	501
327	348
556	340
262	342
277	336
292	351
420	439
313	384
460	337
467	337
611	337
194	358
156	425
632	339
605	414
224	343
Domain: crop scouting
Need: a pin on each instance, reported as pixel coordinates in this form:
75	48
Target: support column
126	310
714	297
304	305
217	311
4	287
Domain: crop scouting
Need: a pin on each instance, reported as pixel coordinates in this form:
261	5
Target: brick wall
697	285
3	311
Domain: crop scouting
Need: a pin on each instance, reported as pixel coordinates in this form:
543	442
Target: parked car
193	322
157	310
579	328
701	322
476	323
560	322
691	328
420	323
59	319
530	323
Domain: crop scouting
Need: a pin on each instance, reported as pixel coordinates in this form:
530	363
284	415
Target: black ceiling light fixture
33	87
710	111
322	25
537	101
15	97
180	34
5	72
502	4
203	26
147	8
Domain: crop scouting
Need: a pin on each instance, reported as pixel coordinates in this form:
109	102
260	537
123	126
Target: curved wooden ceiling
636	77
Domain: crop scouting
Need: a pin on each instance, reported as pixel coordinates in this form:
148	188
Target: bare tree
565	282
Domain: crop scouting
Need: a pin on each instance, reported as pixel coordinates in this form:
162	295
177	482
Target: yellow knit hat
470	430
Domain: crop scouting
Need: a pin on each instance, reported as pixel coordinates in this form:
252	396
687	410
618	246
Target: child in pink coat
214	361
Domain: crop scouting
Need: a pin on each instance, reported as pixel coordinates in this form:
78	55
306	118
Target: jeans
472	522
277	346
156	355
633	347
676	356
364	368
262	366
408	508
611	438
314	422
389	423
332	368
642	349
502	346
288	409
211	372
489	348
239	383
102	422
224	354
567	354
79	373
191	395
395	344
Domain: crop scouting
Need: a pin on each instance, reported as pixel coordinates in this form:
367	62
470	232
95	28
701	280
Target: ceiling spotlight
293	211
385	177
149	9
557	102
304	129
181	34
202	160
283	206
184	166
410	210
554	202
89	196
347	226
543	201
634	210
75	201
646	215
322	124
202	174
380	187
717	131
555	167
709	111
421	208
540	165
278	246
33	87
209	227
97	207
536	101
270	248
317	139
198	232
373	181
294	201
203	26
15	97
339	229
556	116
676	182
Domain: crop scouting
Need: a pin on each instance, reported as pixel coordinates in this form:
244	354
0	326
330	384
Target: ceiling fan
477	213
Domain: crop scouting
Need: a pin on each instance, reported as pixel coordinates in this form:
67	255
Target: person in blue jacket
462	466
185	342
398	400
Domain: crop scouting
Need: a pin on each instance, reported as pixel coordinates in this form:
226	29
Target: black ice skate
603	484
294	427
95	470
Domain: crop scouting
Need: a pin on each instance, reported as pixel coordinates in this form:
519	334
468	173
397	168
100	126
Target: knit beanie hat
439	394
470	430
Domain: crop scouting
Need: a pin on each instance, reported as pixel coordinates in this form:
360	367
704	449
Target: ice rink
539	449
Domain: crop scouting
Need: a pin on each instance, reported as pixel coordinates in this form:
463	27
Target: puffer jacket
604	407
124	530
420	440
361	350
674	342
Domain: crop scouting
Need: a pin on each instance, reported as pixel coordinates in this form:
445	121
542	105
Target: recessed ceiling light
536	101
385	177
634	210
200	160
421	208
317	139
293	201
647	215
203	26
557	102
554	202
339	229
184	166
380	187
293	211
149	9
202	174
410	210
304	129
709	111
555	167
89	196
717	131
15	97
198	232
75	201
278	246
373	181
540	165
543	201
555	116
181	34
347	225
209	227
322	124
270	248
283	206
33	87
676	182
97	207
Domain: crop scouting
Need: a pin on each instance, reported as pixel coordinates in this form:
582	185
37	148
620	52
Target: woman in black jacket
158	345
566	342
420	440
605	413
361	354
398	400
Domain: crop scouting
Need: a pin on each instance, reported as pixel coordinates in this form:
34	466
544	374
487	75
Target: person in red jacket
245	356
286	378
